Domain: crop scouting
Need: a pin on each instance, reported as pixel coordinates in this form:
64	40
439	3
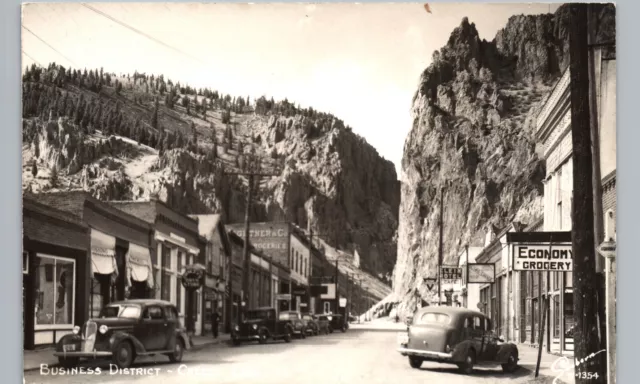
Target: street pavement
357	356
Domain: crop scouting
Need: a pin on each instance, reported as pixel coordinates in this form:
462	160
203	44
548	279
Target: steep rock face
335	183
473	139
332	180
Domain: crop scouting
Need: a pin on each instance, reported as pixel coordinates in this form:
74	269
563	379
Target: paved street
358	356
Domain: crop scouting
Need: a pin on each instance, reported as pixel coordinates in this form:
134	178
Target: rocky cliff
472	140
332	180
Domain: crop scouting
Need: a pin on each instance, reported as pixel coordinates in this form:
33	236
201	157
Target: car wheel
511	365
287	335
467	366
178	351
68	362
123	355
262	337
415	362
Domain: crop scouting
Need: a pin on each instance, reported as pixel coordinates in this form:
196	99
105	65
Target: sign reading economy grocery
270	238
541	251
543	257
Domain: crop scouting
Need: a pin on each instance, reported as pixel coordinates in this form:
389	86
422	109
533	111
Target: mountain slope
130	137
473	139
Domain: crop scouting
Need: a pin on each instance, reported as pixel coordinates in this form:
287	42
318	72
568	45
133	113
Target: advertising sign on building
450	274
270	238
283	296
481	273
543	257
343	302
331	292
193	278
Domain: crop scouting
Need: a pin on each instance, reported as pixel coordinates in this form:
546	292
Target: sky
360	62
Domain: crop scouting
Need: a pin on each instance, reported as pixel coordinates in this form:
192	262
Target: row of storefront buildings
80	253
514	300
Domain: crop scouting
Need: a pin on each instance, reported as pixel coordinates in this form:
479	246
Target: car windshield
123	311
433	318
257	315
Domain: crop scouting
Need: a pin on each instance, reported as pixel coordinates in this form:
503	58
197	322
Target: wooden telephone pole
584	272
252	171
440	245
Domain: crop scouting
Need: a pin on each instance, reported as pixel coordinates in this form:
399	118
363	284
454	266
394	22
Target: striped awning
103	253
139	267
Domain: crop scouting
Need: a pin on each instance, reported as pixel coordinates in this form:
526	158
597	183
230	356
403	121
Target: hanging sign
450	274
481	273
193	278
430	282
543	257
343	302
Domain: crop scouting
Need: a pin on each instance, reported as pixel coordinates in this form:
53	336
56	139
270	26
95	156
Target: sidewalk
33	359
551	365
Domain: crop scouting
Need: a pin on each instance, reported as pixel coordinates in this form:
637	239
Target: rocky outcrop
332	181
472	141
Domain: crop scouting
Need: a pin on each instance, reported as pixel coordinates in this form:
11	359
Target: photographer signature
563	364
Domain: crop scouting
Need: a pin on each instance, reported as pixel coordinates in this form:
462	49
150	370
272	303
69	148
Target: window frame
37	326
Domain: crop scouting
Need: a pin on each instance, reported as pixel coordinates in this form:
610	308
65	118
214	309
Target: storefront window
569	321
54	284
166	286
556	316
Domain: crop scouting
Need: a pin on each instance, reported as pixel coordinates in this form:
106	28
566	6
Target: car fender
461	350
122	336
505	350
265	329
67	339
182	335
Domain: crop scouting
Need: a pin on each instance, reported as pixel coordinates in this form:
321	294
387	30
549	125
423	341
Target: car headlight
254	326
236	328
76	330
103	329
329	318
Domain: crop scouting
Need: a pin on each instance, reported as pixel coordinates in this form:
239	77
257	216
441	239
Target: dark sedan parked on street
125	330
313	328
456	336
299	326
261	325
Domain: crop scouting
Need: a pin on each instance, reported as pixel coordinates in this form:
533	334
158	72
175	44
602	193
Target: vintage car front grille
89	336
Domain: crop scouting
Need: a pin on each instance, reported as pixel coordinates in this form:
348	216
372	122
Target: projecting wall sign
481	273
543	257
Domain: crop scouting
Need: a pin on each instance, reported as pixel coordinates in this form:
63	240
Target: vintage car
312	326
125	330
323	323
337	322
299	325
456	336
261	325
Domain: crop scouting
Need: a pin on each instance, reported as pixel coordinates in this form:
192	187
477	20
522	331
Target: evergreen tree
194	132
53	177
154	116
34	169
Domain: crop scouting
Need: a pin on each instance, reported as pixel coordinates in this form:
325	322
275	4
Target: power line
122	23
29	56
49	45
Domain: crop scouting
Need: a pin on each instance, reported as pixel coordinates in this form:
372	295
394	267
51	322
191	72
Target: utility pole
252	171
440	247
584	272
597	176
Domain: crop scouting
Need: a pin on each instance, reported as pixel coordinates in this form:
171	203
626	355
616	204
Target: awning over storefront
139	267
103	253
168	239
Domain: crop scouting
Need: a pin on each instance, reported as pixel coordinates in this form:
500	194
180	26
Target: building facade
217	256
469	293
175	245
55	273
554	133
120	243
301	266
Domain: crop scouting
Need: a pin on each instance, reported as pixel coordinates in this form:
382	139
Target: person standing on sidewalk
215	317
